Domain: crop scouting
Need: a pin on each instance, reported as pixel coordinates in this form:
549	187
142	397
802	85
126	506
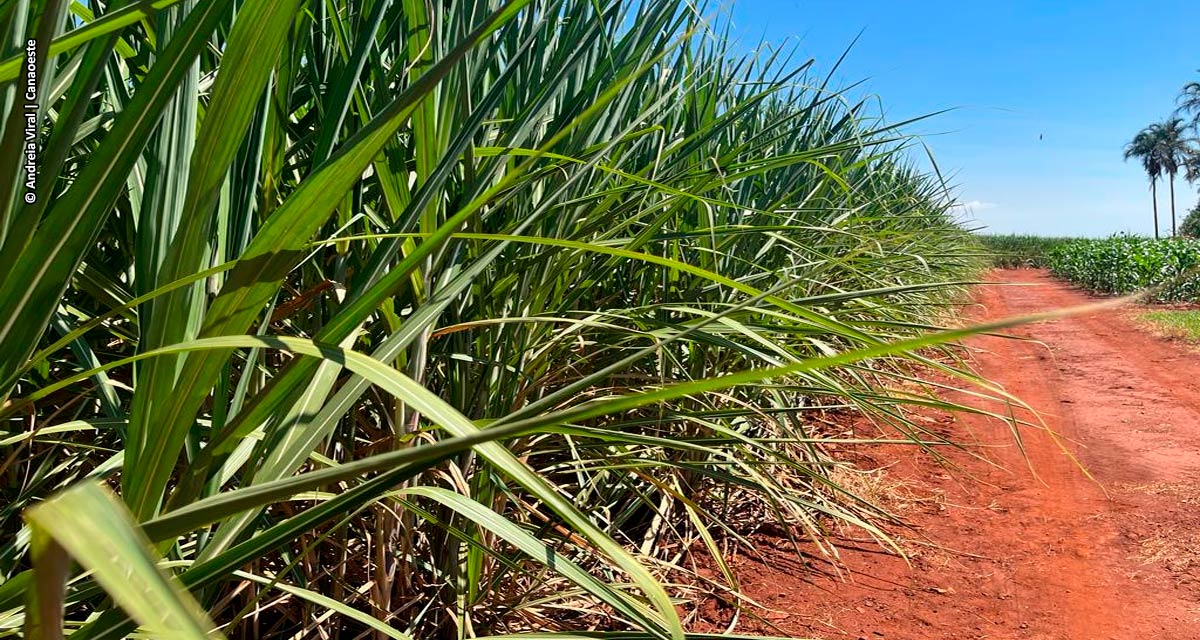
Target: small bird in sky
1040	137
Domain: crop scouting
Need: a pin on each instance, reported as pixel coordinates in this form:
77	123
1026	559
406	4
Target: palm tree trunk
1154	200
1172	204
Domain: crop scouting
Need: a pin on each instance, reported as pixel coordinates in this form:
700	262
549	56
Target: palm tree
1171	148
1143	148
1191	173
1189	101
1191	166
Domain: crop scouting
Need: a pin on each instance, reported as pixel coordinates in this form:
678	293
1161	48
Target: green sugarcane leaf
111	22
40	274
92	525
275	249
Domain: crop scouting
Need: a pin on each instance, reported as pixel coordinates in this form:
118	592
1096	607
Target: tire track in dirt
1056	557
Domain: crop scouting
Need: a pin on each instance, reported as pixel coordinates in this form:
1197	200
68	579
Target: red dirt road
1060	558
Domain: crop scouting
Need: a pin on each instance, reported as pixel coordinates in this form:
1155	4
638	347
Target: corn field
442	318
1122	264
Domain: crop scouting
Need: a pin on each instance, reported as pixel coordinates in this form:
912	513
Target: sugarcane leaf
95	528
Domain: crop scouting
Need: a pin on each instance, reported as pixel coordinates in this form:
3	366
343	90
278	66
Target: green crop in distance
1015	250
1125	264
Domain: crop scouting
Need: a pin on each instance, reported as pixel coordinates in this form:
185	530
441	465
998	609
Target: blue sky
1083	75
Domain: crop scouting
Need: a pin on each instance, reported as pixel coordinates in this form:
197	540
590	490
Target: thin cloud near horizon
974	205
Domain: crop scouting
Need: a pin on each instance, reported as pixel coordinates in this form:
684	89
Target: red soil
1056	556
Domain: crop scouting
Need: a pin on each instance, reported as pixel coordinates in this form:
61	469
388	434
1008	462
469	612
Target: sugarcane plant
454	318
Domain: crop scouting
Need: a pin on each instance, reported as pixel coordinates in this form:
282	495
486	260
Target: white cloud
974	205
